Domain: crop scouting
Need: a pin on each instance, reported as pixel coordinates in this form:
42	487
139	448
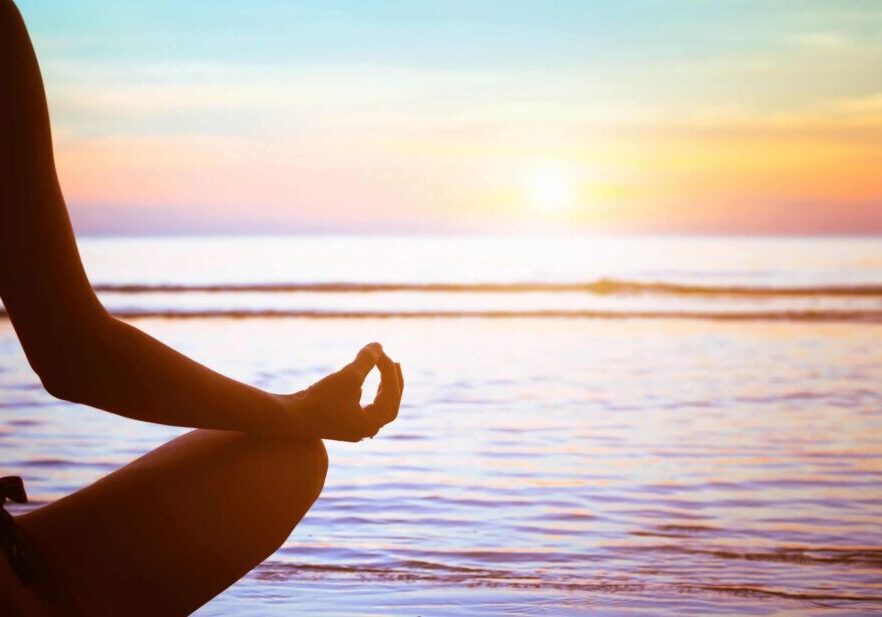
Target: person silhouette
169	531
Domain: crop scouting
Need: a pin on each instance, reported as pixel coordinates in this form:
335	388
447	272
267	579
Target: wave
853	316
435	574
602	286
859	556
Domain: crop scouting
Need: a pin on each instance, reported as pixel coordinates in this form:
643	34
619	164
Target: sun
551	189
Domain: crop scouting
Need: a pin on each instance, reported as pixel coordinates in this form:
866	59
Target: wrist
284	415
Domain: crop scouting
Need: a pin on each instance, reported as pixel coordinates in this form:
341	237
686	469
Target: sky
712	117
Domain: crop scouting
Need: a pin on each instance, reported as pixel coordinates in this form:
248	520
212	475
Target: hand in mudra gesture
331	407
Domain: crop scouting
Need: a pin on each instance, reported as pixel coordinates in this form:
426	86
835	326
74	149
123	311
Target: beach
640	451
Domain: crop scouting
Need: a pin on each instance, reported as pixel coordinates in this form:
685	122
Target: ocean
591	425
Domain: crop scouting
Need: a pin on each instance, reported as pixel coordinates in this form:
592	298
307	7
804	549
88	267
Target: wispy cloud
335	113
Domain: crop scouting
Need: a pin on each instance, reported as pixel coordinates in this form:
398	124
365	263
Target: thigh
171	530
17	598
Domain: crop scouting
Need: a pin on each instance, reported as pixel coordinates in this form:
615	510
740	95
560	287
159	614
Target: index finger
366	359
389	395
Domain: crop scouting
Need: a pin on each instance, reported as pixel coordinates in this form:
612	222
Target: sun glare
551	189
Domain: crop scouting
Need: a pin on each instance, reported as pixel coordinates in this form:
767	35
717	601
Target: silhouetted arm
82	353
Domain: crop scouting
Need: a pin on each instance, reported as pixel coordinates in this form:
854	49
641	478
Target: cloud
825	42
791	114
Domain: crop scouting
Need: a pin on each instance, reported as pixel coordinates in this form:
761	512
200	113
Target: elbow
57	387
68	338
61	378
72	369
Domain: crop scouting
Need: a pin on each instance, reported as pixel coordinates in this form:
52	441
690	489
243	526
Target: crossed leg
171	530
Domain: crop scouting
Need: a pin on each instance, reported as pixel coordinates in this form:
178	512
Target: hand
331	407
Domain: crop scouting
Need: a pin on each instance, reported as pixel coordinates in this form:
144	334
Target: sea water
590	426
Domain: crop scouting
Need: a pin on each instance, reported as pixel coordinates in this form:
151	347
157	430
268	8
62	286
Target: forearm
120	369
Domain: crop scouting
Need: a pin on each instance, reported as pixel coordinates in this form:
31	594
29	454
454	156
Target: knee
293	474
292	471
318	465
299	467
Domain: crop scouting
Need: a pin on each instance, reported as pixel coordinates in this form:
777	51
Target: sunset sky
474	116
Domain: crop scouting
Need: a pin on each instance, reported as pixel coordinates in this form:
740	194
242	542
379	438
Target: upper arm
42	282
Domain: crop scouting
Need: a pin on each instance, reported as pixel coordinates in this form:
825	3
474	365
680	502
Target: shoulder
10	17
12	27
